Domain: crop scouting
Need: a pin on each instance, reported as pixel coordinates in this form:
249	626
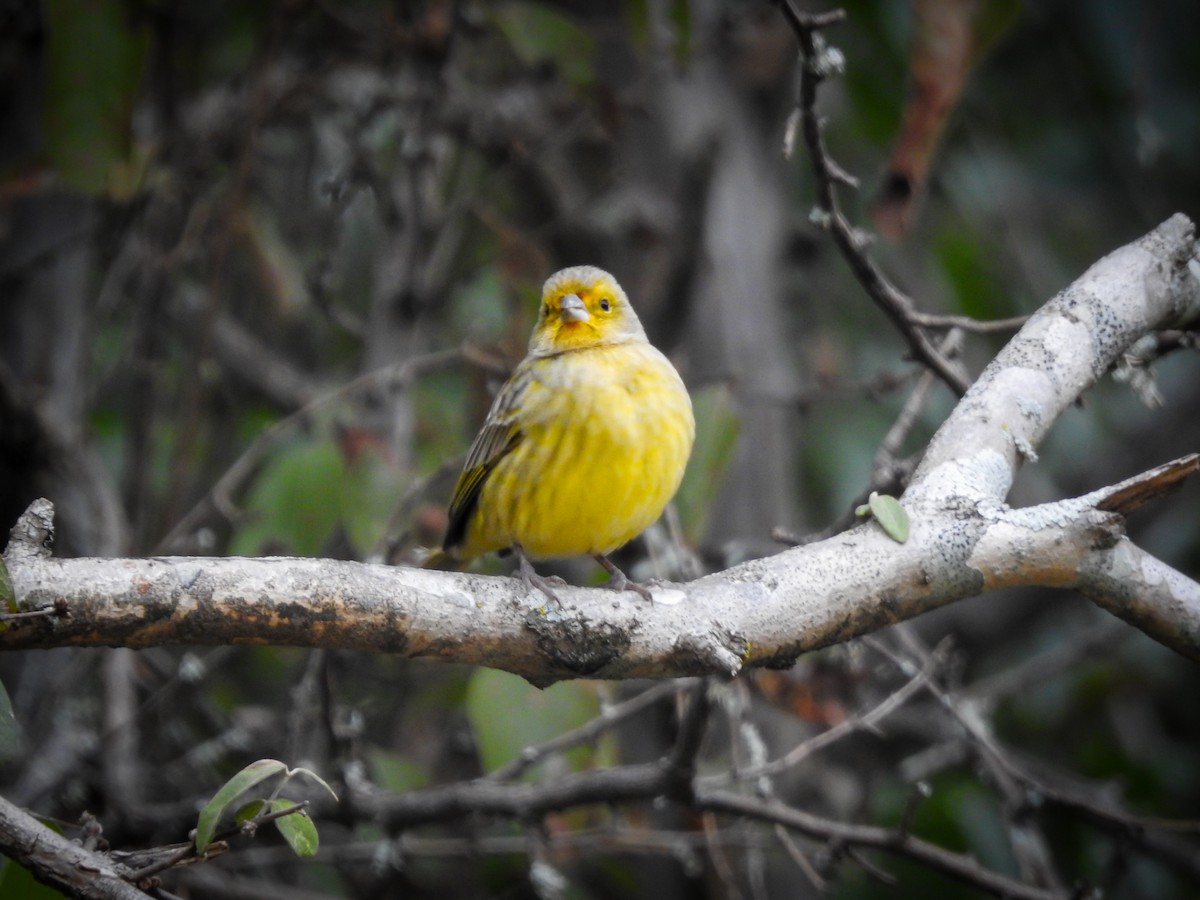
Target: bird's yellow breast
605	435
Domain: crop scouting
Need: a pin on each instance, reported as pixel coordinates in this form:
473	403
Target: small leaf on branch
253	774
888	512
249	811
297	828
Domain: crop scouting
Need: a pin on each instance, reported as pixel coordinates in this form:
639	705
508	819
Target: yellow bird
584	445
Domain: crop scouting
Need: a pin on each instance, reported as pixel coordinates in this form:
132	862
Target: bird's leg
617	580
531	579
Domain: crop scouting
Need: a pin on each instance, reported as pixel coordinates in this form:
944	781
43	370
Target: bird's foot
619	581
531	579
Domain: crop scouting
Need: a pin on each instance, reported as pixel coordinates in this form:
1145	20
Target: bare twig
641	783
588	732
866	720
1024	790
966	323
958	866
799	857
817	62
889	474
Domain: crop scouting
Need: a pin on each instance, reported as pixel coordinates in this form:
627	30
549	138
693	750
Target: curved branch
964	540
1064	348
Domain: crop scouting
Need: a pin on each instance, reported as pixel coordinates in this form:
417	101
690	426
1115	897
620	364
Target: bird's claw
618	581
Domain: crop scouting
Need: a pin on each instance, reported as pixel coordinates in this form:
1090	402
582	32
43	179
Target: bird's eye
605	304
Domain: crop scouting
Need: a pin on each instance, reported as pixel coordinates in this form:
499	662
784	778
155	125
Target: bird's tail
442	560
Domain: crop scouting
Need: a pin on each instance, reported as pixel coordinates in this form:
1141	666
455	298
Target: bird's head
583	307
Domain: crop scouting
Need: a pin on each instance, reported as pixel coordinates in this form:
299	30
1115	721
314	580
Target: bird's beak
572	309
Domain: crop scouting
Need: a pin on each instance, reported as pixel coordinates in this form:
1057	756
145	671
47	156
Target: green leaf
300	770
249	811
295	502
93	66
17	881
508	714
539	34
8	596
256	772
297	829
890	515
10	732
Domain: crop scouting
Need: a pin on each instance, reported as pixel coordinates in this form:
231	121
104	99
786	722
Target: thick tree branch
964	541
1068	344
60	862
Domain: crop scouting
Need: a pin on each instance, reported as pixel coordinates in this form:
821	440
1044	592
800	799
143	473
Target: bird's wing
498	436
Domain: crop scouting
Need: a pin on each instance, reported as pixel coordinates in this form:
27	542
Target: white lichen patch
1020	396
1057	515
985	475
1025	448
458	598
667	596
1030	408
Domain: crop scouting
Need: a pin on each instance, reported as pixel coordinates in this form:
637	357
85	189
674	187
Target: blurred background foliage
262	264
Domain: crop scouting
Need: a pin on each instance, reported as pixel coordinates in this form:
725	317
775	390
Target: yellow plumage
584	445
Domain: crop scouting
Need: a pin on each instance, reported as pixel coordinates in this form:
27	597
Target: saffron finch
586	442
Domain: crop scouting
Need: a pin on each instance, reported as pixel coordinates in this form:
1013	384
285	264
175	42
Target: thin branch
1023	790
1056	659
889	474
642	783
681	763
1027	842
804	749
966	323
586	733
799	858
817	63
183	854
958	866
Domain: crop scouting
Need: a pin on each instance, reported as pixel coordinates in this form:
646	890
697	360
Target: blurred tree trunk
46	272
737	332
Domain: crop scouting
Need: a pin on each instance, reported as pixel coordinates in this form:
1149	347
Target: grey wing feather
499	435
